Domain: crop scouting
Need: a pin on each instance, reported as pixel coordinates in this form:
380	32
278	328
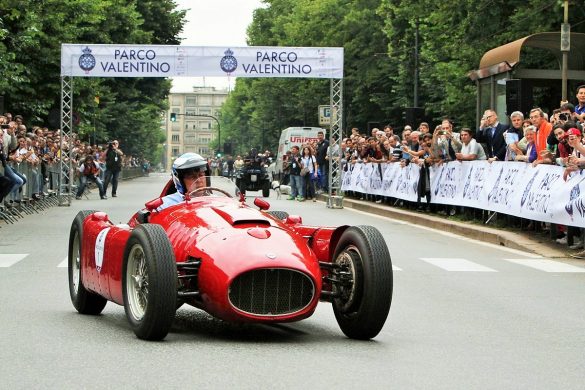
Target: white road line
9	260
395	268
63	264
456	265
547	265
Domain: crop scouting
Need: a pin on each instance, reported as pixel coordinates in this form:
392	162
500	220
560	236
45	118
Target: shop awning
504	58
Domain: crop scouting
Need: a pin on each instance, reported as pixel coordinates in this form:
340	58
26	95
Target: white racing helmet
186	163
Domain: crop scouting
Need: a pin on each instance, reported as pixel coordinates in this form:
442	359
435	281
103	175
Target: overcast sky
214	23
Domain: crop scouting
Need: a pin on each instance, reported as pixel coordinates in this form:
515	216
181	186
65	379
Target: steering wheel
196	191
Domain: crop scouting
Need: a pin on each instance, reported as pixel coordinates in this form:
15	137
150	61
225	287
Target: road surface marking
547	265
9	260
63	264
456	265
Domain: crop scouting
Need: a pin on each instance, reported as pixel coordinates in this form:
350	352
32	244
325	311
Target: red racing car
237	262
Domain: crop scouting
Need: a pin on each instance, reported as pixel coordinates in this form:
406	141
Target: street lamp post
565	48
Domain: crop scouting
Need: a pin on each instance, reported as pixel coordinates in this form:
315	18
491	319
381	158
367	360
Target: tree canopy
31	34
378	37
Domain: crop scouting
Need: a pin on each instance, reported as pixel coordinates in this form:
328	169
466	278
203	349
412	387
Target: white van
290	137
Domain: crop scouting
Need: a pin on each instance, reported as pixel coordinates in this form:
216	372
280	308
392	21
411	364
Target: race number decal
100	244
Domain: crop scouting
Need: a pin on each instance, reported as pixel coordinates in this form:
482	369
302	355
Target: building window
175	152
205	100
191	101
176	100
190	138
205	125
205	111
175	138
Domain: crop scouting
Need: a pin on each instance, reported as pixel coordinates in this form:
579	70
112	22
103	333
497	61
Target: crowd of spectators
31	159
540	138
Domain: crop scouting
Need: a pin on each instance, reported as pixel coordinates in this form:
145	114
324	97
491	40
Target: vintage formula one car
235	261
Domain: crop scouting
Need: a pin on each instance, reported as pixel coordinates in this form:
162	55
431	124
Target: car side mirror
261	204
153	204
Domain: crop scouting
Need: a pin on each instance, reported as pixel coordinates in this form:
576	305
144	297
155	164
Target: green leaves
31	33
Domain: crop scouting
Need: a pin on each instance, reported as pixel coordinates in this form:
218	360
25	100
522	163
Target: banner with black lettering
538	193
93	60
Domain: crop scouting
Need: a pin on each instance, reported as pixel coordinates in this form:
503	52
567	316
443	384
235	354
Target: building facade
192	131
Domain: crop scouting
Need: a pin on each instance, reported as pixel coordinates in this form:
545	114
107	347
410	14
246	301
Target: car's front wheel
149	282
363	293
86	302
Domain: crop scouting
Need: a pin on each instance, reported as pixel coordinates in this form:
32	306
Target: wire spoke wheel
363	287
137	282
75	264
149	282
85	301
349	275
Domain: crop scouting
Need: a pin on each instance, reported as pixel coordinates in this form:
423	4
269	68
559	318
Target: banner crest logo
86	60
228	63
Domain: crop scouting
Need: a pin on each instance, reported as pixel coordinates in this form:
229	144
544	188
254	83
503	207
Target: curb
481	233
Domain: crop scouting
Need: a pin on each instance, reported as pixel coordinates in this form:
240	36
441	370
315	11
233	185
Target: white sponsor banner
446	184
382	179
538	193
91	60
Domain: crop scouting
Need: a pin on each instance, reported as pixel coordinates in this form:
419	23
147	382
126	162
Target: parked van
290	137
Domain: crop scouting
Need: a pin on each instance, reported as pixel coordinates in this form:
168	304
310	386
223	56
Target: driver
189	173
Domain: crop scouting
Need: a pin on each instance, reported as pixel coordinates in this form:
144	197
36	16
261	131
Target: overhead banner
91	60
538	193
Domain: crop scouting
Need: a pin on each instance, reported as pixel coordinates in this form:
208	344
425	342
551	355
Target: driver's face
194	180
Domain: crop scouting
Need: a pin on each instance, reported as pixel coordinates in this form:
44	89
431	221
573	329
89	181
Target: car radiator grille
271	291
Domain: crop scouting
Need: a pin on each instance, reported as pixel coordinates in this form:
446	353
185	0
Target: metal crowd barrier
40	190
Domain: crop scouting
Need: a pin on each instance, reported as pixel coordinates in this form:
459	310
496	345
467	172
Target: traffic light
173	117
218	154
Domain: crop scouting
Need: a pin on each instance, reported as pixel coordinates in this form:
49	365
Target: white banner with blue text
514	188
89	60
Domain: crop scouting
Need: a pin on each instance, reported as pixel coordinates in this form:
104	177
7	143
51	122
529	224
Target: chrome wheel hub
137	282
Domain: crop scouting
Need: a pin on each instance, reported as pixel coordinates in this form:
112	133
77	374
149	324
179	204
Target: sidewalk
525	241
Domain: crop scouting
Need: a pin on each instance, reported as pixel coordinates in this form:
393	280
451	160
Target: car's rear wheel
86	302
149	282
364	293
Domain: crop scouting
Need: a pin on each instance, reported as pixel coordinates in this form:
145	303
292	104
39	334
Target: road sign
324	115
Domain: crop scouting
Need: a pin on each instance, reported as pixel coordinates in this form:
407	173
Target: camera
564	117
442	132
4	126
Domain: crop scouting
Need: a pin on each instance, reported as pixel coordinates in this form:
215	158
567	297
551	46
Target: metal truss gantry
66	176
335	199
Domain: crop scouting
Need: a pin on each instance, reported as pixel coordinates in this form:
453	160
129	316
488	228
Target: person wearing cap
189	173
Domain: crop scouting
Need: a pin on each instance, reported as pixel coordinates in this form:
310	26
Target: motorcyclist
189	173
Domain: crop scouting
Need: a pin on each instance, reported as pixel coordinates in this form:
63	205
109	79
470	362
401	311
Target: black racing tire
84	301
149	282
363	308
280	215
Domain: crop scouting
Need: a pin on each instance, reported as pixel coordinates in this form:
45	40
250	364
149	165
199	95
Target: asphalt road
465	315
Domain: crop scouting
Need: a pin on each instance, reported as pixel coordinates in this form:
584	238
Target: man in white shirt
470	149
